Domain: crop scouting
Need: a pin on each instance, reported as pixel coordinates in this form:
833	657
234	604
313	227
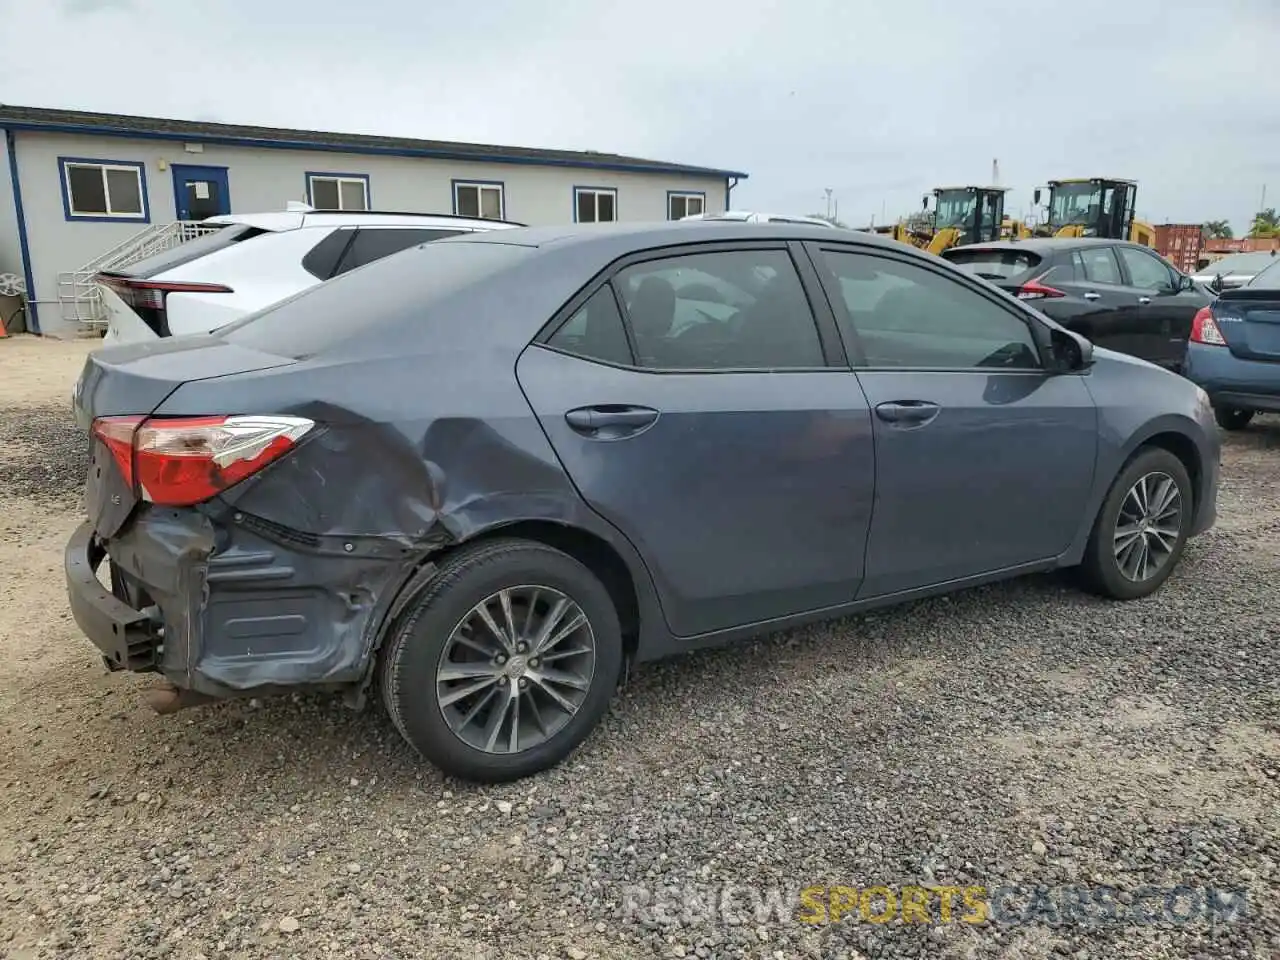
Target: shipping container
1181	244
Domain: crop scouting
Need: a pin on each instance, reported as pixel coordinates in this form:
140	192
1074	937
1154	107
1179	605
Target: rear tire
482	705
1149	508
1232	418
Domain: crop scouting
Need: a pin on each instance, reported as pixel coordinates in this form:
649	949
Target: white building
83	184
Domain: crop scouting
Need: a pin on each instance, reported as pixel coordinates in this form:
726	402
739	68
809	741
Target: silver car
1234	270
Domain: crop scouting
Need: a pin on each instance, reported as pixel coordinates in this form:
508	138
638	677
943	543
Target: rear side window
374	243
595	331
321	260
1098	265
191	250
994	264
731	310
360	303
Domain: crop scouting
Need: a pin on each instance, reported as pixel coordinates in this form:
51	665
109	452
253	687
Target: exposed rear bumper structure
128	639
230	608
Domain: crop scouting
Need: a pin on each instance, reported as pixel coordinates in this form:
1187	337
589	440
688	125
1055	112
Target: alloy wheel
516	669
1148	526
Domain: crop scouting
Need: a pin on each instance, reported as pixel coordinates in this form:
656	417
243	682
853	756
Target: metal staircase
80	298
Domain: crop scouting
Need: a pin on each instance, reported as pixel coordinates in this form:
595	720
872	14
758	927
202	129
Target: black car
1119	295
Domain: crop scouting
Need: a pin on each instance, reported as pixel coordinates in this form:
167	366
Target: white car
747	216
253	261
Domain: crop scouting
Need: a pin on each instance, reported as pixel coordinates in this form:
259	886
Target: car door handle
1144	300
1093	296
907	411
610	419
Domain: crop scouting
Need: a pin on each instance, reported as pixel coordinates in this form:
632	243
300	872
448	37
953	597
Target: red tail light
1035	290
1204	329
181	461
147	297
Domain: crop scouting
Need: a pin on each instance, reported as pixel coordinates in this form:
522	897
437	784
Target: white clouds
879	101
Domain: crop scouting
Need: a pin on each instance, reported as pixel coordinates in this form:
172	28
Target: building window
338	191
595	204
103	189
478	199
681	205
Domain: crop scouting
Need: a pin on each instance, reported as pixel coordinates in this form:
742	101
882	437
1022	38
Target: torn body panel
291	577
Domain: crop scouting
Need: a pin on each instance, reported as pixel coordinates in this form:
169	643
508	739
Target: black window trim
825	321
996	297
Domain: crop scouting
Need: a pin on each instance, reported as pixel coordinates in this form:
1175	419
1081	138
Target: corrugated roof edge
122	125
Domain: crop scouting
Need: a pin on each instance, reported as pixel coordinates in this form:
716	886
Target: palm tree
1218	230
1265	223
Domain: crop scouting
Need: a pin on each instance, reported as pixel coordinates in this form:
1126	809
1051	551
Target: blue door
724	447
984	459
200	192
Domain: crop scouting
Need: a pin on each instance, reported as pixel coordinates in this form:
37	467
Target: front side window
595	204
1145	271
741	309
681	205
482	200
104	189
906	316
337	191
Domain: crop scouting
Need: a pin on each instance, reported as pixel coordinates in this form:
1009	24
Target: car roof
296	219
623	238
742	215
1043	245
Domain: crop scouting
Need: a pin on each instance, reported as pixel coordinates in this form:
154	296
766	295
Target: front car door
723	434
984	461
1166	306
1098	280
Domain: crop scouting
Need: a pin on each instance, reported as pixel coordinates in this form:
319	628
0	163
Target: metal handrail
78	292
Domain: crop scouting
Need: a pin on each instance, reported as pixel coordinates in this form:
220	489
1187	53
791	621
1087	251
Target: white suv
253	261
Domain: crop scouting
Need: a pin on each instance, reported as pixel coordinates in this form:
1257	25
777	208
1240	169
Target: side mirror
1068	352
924	202
1216	283
1035	197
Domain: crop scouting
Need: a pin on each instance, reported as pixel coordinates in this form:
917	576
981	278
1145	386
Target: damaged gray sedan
476	478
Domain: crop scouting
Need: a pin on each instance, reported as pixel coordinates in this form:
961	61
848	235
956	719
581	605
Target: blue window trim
701	194
584	186
467	182
368	194
24	248
439	154
144	217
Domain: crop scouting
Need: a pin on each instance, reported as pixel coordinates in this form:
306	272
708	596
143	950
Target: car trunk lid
1249	320
131	382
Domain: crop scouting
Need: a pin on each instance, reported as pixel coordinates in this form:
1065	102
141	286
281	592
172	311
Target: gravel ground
1017	735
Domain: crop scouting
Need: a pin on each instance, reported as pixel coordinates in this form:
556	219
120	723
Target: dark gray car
481	474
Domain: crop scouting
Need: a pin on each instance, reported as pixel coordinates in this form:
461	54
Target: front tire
1232	418
1139	534
505	663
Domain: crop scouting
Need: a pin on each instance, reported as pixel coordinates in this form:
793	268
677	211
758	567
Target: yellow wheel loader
960	215
1095	207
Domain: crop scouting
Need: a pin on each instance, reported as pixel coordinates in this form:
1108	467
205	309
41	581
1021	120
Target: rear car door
1165	306
723	434
984	460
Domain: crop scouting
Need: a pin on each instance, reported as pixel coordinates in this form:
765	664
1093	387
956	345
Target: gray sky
879	100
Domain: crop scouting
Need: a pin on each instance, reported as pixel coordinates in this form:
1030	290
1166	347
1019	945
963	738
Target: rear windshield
360	302
1245	263
1268	279
188	251
994	264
